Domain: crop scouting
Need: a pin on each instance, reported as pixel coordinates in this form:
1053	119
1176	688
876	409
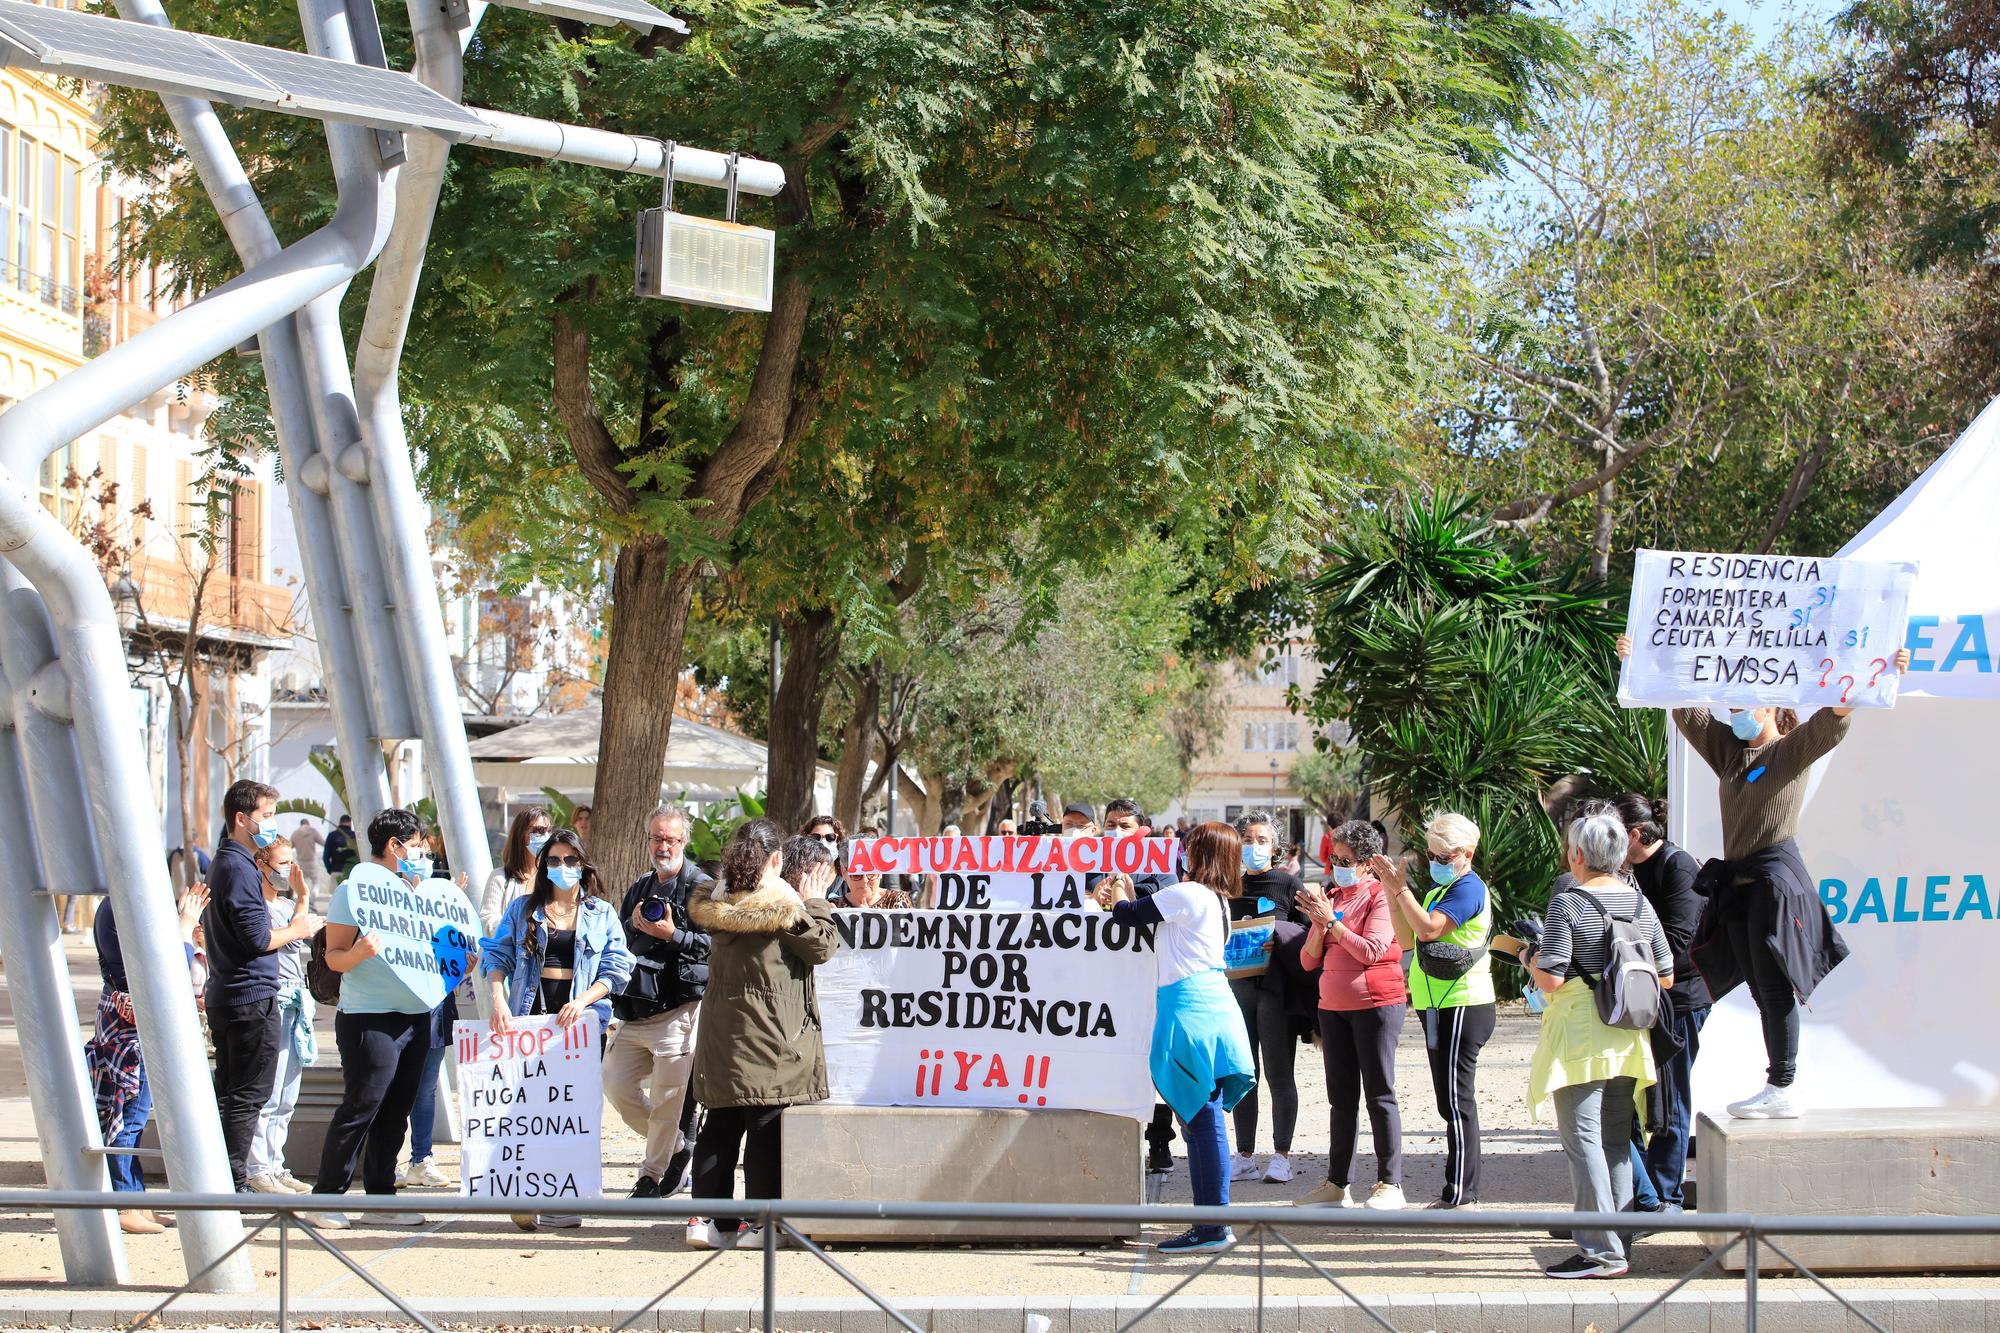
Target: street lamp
125	605
1274	785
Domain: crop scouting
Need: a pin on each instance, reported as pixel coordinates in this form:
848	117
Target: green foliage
326	763
711	831
300	806
1329	779
1473	678
561	808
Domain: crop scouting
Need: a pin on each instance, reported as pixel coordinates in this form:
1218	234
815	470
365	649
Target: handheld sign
1245	955
1747	631
1016	873
534	1109
1017	1010
428	931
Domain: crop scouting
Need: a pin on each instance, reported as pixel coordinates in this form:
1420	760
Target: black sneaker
1198	1240
1159	1159
1580	1265
678	1172
647	1188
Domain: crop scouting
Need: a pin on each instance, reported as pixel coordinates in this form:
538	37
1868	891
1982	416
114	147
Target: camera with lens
1038	824
654	906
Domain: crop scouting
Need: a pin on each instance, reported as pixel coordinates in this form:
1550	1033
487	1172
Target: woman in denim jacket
560	950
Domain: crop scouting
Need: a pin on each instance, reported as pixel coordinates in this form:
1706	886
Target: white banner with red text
1015	873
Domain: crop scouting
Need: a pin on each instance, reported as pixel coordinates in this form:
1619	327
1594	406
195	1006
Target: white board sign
533	1101
428	932
1014	873
996	1009
1746	631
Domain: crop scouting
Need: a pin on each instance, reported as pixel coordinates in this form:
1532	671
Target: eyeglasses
565	860
668	840
1344	862
1441	856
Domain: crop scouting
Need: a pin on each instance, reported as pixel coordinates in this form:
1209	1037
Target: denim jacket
601	955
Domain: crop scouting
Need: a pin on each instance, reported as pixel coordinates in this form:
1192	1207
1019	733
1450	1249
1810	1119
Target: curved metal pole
255	240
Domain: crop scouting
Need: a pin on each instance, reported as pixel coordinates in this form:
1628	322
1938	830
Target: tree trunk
857	744
1001	806
180	714
1600	539
811	644
1797	488
650	597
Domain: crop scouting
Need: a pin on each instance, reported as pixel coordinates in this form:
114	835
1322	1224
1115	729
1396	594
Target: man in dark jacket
242	993
340	851
657	1010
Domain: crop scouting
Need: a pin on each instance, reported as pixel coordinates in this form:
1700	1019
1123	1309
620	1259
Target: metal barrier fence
1265	1225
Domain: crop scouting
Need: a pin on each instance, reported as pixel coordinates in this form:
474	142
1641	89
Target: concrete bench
962	1155
1913	1162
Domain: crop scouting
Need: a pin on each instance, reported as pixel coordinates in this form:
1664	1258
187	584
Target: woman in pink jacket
1362	1001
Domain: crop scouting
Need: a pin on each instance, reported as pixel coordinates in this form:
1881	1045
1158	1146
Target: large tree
1157	240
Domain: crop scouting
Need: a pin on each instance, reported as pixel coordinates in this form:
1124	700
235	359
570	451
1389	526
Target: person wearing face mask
1270	1013
1363	1000
241	998
1764	923
561	950
286	893
383	1032
649	1061
1458	1010
526	837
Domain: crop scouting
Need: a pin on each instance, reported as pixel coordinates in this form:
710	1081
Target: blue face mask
537	841
1745	726
565	877
1442	872
1256	859
1346	876
266	833
416	869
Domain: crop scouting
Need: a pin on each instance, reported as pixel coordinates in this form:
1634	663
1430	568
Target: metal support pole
284	1273
1750	1279
770	1225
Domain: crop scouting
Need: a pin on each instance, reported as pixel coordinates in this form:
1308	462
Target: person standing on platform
1452	988
287	895
1764	922
1594	1073
1200	1059
1362	1003
761	1049
242	1002
1266	1014
651	1059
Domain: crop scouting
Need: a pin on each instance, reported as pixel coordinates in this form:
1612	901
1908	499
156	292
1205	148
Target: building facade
1249	767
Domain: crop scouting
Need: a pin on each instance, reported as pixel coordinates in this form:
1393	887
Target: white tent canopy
560	751
1894	831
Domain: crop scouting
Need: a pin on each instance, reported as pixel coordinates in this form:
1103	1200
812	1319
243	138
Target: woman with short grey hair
1596	1075
1275	1017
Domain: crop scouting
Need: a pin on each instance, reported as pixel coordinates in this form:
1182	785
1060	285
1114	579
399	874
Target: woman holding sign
1201	1059
1764	923
560	950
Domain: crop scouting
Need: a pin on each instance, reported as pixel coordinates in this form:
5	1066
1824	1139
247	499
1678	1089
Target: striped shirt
1576	926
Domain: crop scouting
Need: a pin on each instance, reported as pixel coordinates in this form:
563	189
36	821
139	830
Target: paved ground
491	1259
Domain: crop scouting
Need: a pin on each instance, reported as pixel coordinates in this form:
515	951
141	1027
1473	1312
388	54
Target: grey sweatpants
1596	1124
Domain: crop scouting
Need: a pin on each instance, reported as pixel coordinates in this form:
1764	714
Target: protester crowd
703	991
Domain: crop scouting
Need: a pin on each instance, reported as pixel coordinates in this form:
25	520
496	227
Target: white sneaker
1326	1194
328	1221
1385	1197
1243	1168
392	1220
267	1184
752	1238
1770	1104
1278	1170
425	1173
293	1183
705	1235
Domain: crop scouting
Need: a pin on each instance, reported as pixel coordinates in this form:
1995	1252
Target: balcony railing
51	293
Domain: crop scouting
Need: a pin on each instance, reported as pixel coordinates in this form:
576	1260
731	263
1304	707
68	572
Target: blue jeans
1666	1151
125	1172
423	1115
1208	1160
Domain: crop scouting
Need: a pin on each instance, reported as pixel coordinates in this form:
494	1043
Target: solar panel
632	13
135	55
340	90
139	55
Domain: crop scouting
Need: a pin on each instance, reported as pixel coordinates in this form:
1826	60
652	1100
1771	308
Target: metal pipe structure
355	730
627	152
67	615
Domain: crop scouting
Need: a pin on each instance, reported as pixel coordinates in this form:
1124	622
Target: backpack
1628	993
321	979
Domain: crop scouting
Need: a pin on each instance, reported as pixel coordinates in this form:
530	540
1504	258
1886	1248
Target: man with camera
657	1011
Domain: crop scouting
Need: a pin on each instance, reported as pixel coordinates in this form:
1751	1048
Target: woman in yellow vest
1454	998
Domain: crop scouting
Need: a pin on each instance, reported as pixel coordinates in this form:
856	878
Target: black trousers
382	1065
246	1068
1454	1038
1359	1047
1273	1049
726	1131
1777	1004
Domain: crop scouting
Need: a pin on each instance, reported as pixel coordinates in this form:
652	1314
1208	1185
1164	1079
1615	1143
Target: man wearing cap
1079	821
